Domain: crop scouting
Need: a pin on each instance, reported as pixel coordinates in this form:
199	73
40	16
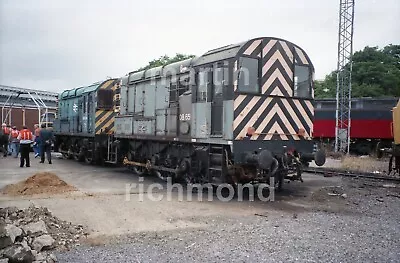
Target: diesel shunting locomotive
237	114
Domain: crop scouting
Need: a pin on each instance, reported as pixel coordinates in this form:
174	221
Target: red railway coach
371	123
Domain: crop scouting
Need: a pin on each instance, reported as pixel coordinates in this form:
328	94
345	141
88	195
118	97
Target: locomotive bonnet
240	113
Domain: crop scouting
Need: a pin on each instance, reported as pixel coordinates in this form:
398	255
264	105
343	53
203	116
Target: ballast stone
18	254
38	227
43	242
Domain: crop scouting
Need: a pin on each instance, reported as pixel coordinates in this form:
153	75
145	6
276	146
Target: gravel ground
360	226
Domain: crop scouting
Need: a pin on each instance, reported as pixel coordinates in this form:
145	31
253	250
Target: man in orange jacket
25	138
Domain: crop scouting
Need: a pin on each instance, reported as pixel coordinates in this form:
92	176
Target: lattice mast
344	68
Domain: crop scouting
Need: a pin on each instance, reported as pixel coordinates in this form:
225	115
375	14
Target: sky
57	45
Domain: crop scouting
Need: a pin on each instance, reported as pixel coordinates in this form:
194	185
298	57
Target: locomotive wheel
138	170
79	156
71	154
184	171
66	155
164	175
88	160
391	164
89	157
378	152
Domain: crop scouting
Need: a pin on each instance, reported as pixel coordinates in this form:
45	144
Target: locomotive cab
260	102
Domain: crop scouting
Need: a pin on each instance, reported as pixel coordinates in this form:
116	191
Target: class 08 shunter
236	114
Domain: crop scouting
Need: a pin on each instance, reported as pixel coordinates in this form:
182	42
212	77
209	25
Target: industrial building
20	106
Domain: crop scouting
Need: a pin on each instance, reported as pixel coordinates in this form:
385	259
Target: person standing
36	145
25	138
9	139
46	138
14	141
4	137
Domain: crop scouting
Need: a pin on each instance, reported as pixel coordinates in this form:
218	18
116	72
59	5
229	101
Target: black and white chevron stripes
272	116
279	116
277	74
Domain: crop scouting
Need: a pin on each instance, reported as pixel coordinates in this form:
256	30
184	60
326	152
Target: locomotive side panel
124	125
149	102
123	108
150	99
139	99
228	120
172	121
143	126
161	105
130	99
185	114
161	122
201	120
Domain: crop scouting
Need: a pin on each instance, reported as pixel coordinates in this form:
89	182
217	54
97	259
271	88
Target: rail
329	171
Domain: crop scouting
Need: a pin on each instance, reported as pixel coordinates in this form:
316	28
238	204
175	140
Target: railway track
336	172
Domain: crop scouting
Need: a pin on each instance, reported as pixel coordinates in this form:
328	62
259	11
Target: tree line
376	73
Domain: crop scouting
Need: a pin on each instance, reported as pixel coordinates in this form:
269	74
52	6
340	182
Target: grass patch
364	164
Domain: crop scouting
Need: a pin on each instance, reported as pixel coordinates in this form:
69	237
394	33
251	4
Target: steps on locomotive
212	157
112	158
216	155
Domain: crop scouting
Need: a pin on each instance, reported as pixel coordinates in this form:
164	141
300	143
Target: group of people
14	142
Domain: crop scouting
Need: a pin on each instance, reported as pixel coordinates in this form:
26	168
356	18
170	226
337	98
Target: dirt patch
329	193
39	183
96	241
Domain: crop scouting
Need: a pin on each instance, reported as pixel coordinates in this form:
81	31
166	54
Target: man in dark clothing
9	139
25	138
46	138
4	137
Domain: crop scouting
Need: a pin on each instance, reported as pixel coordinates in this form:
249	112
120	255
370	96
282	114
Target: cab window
302	81
248	76
105	99
219	79
203	82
